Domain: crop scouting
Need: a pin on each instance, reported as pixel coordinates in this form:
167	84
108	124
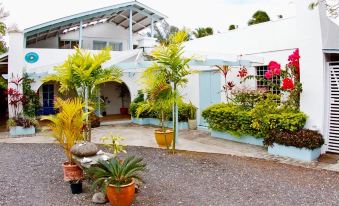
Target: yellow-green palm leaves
67	126
83	70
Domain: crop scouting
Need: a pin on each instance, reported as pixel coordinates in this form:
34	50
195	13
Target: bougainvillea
287	84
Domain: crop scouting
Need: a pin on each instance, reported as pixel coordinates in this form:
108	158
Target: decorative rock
99	198
84	149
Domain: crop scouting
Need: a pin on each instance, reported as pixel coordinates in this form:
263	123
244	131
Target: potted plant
19	124
192	118
67	128
76	186
123	93
117	183
160	99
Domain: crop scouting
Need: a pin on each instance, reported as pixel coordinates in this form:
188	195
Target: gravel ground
30	174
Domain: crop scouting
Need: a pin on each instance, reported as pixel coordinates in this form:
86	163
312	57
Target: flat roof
117	14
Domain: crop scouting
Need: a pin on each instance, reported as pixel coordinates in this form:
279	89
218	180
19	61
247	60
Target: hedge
303	138
183	112
236	120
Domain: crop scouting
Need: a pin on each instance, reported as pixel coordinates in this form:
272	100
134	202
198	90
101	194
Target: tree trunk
174	118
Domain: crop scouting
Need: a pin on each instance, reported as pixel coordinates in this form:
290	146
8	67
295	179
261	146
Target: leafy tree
331	6
31	104
82	73
259	17
202	32
232	27
3	15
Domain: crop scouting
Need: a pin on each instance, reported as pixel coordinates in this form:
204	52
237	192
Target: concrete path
190	140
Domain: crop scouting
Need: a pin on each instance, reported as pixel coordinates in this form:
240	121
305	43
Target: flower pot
76	187
192	124
72	172
123	110
121	196
164	139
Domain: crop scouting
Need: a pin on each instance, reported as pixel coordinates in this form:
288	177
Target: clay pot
164	139
72	172
123	110
192	124
122	196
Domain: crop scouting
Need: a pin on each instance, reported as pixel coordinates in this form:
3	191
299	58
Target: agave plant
67	126
115	172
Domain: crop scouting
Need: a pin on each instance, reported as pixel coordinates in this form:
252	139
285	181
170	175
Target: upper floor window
115	46
260	72
68	44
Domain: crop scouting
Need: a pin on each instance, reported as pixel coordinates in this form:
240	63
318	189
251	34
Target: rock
84	149
99	198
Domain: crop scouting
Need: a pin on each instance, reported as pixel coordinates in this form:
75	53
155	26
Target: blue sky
190	13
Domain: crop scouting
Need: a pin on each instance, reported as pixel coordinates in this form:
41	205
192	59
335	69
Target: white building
38	49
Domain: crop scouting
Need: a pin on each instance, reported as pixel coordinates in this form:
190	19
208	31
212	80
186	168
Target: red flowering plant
229	85
290	76
16	100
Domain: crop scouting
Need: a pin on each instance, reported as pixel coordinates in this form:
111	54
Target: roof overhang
117	14
331	51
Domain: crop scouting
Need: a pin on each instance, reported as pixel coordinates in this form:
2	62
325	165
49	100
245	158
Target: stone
99	198
84	149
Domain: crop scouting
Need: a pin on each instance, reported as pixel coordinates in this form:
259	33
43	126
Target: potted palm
192	118
67	128
117	178
160	98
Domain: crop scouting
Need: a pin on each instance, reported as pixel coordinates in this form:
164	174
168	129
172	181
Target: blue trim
303	154
243	139
156	122
20	131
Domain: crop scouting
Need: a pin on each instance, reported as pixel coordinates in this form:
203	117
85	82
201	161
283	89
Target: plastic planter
303	154
21	131
243	139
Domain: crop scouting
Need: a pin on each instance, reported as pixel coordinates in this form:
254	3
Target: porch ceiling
117	14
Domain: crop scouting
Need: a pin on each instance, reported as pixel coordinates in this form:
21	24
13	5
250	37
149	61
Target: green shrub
248	98
140	97
303	138
183	112
257	122
229	118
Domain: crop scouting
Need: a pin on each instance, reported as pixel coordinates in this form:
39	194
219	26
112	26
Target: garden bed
21	131
303	154
243	139
156	122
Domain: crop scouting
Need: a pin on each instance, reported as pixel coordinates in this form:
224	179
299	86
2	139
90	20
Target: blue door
48	99
209	91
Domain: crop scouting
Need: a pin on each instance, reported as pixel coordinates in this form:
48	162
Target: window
261	70
68	44
115	46
99	45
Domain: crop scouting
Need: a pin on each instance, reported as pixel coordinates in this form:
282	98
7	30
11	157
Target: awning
118	14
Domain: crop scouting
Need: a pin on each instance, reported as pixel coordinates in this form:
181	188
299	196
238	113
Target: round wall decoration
31	57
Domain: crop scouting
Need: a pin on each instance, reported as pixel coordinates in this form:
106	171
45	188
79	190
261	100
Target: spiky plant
115	172
67	126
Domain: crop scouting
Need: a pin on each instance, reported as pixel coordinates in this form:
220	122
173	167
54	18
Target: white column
130	29
152	27
16	60
80	34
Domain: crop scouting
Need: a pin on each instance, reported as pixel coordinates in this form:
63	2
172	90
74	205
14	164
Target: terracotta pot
164	139
123	110
122	196
72	172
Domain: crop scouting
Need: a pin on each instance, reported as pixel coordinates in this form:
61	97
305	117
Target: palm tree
173	67
82	73
3	15
202	32
259	17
